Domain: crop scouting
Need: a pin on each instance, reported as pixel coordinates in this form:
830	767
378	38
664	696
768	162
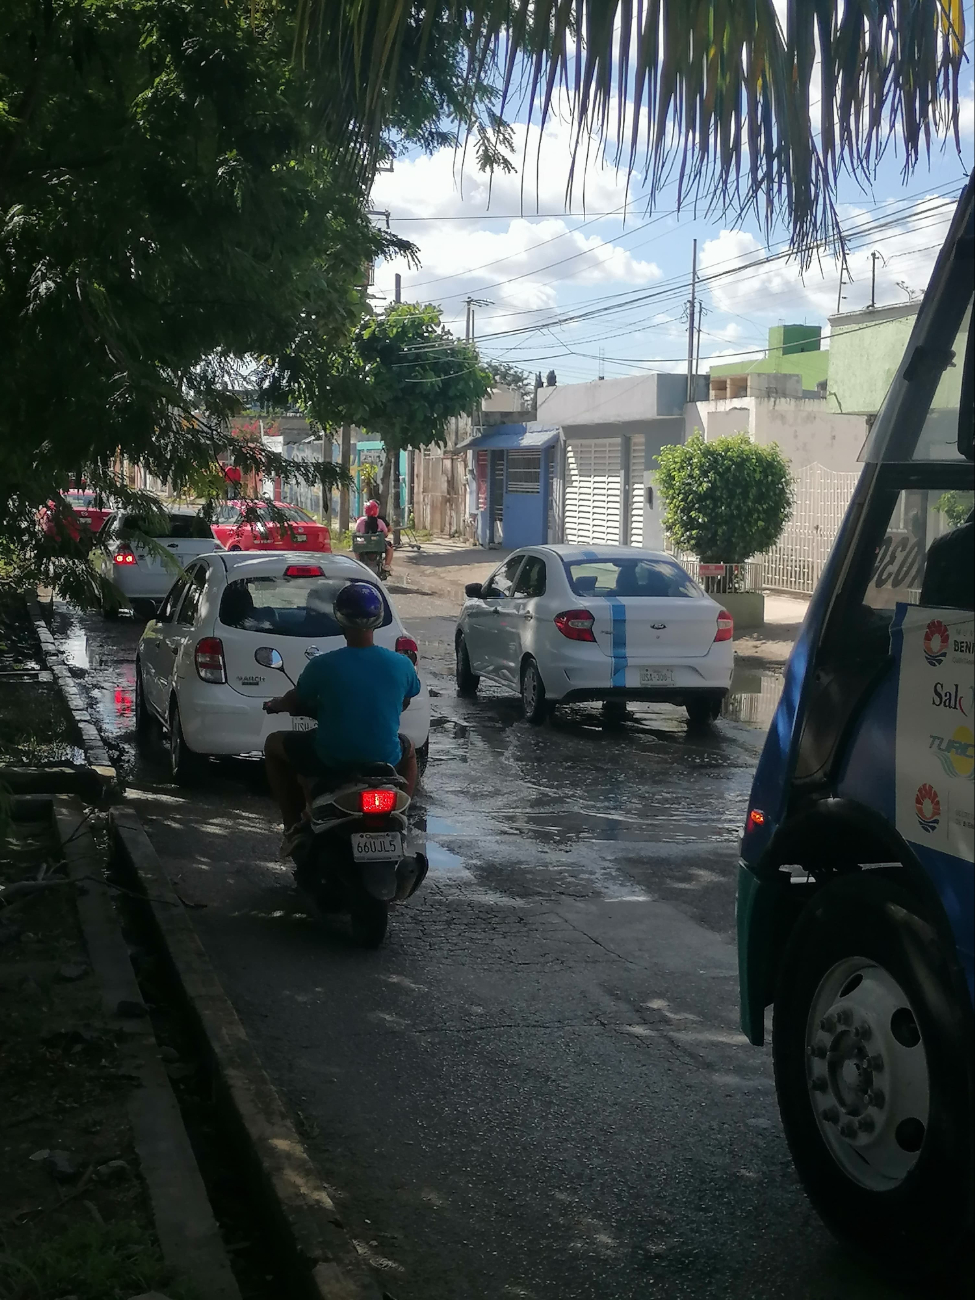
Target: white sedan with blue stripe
605	623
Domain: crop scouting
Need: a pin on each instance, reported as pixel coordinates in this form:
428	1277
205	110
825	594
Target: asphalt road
537	1090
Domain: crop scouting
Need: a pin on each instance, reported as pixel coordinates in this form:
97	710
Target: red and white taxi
86	510
253	526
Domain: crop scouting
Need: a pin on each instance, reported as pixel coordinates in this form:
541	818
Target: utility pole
690	323
345	456
839	292
697	352
873	275
398	292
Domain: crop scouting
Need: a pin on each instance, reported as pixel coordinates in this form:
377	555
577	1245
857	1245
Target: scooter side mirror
268	657
473	590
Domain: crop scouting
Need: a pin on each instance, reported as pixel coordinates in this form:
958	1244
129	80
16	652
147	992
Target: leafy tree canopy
725	500
508	376
402	377
177	227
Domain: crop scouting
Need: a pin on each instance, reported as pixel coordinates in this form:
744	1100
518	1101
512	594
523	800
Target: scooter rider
357	693
370	523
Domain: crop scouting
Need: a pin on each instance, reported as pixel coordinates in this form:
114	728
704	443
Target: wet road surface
538	1088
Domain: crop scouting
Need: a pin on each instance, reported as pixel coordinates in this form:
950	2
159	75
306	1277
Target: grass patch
90	1261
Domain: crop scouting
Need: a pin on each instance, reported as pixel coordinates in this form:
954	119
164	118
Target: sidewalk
445	565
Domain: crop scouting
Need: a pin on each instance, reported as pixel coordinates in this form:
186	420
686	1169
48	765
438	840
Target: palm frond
715	89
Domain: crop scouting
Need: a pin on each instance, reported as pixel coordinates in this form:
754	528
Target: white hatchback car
613	623
141	576
196	671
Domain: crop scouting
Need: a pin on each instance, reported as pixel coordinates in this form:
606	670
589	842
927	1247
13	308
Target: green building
792	350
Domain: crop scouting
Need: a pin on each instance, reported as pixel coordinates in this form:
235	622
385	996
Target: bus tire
872	1049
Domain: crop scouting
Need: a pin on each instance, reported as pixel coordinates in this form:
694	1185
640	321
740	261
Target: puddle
754	695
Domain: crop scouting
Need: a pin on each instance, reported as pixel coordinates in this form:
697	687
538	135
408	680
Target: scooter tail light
125	555
377	801
726	626
405	645
209	660
576	624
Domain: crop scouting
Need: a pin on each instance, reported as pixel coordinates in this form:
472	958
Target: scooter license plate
303	724
377	848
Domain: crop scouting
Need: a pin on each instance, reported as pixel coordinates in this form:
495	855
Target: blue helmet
359	605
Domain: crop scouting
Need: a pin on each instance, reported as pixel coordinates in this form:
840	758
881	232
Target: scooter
370	548
354	857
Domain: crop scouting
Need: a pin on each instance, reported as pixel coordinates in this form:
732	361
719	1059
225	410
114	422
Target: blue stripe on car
618	614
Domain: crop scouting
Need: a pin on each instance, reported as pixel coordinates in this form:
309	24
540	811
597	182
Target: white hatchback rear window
286	606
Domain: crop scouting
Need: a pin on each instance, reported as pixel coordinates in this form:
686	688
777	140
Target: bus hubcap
867	1073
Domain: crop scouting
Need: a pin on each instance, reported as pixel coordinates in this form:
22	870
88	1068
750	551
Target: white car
612	623
196	671
140	575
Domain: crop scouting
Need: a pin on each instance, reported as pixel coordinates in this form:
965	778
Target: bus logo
927	805
935	642
956	753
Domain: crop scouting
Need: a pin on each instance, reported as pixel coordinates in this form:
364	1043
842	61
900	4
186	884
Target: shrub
725	500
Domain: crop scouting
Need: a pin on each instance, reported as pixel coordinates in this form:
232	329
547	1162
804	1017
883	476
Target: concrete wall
865	350
807	432
612	401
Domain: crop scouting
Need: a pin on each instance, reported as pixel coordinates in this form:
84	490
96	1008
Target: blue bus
855	890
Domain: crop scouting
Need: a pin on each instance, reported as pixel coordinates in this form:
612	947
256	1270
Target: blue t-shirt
359	694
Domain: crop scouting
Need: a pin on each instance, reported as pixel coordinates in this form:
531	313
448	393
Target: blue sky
576	292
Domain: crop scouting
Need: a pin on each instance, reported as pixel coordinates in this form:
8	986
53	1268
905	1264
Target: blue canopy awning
513	437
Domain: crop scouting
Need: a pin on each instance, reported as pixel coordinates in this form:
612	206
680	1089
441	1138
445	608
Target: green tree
725	500
509	376
402	377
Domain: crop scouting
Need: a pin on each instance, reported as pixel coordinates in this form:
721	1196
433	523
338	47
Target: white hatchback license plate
656	676
377	848
303	724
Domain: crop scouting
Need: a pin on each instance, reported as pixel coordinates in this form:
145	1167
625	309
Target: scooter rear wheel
370	918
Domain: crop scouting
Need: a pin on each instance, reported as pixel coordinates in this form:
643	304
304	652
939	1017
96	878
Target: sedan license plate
656	676
377	848
300	537
303	724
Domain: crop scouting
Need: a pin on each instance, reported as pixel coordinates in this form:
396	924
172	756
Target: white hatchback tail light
210	664
726	626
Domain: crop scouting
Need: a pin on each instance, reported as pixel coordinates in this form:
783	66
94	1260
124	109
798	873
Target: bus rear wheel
872	1052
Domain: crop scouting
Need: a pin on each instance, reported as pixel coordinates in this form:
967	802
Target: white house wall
805	431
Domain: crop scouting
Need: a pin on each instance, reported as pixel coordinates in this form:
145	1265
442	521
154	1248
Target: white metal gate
593	491
637	453
797	559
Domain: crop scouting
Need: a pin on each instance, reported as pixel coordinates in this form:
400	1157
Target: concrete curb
90	739
325	1264
184	1223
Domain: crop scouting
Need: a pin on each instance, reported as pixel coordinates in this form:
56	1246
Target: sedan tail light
125	555
405	645
576	624
726	626
210	665
377	801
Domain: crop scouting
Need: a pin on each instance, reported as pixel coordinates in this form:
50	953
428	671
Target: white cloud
520	263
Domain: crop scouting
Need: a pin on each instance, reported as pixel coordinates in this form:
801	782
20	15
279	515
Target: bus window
926	555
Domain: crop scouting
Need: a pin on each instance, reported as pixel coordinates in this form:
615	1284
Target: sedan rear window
286	606
168	526
629	576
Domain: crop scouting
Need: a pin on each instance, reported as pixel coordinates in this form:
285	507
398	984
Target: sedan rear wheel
533	701
467	679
